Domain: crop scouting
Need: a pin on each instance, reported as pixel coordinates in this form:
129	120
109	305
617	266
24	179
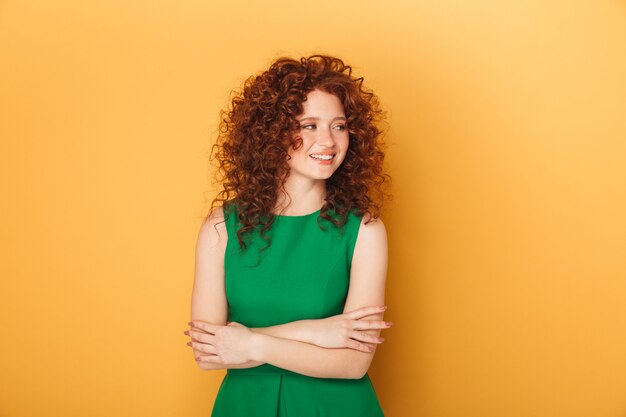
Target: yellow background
507	279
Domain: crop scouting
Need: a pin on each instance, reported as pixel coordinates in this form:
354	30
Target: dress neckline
282	216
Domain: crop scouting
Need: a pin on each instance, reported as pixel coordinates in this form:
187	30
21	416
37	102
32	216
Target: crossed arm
291	345
335	340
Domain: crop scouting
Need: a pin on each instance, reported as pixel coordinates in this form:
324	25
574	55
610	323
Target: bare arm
295	330
307	359
344	330
209	303
208	300
367	288
367	284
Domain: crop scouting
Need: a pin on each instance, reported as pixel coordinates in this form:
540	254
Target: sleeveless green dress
304	274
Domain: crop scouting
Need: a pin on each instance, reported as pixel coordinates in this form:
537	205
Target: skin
340	346
323	129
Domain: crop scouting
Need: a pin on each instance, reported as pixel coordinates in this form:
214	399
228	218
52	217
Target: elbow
362	365
360	373
356	373
360	368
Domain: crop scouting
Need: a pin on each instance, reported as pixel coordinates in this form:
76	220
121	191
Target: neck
304	196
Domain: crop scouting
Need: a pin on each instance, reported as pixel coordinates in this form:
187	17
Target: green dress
303	274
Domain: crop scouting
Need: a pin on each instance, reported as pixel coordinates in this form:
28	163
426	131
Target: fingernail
381	339
188	343
190	323
382	308
186	332
388	323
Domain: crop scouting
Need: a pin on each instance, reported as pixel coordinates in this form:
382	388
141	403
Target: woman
296	256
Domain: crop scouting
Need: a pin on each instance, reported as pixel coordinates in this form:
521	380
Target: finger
197	329
354	344
209	358
364	337
203	325
364	312
203	347
201	337
371	324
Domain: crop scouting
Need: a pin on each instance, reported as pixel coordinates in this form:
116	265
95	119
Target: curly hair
256	132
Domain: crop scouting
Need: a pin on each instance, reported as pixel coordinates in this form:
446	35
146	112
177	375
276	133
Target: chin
318	177
313	174
325	175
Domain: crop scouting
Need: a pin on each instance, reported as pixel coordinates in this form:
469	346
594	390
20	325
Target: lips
323	156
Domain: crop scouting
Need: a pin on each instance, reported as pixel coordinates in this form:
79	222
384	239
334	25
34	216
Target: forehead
320	104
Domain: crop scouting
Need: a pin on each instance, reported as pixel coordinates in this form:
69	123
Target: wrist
258	342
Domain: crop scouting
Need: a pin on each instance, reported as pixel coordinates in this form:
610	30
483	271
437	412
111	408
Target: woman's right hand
344	330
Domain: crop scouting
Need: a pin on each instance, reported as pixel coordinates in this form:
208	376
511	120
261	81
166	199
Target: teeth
324	157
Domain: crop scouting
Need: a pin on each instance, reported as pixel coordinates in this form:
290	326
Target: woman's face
324	134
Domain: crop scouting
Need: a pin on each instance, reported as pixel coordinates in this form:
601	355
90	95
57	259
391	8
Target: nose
325	138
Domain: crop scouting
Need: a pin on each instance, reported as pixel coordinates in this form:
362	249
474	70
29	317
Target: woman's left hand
229	345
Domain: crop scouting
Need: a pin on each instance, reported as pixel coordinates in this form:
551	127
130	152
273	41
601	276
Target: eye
341	127
307	126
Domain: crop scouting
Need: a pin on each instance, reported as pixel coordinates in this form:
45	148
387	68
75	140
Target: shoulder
371	243
213	230
368	272
372	230
208	301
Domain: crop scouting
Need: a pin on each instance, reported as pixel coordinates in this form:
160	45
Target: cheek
344	143
302	146
296	155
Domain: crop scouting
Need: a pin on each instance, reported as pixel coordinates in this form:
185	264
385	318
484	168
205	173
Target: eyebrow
317	118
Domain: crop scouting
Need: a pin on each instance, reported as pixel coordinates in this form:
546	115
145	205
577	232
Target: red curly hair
256	133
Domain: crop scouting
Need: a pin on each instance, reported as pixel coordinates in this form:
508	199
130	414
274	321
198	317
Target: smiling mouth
323	157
